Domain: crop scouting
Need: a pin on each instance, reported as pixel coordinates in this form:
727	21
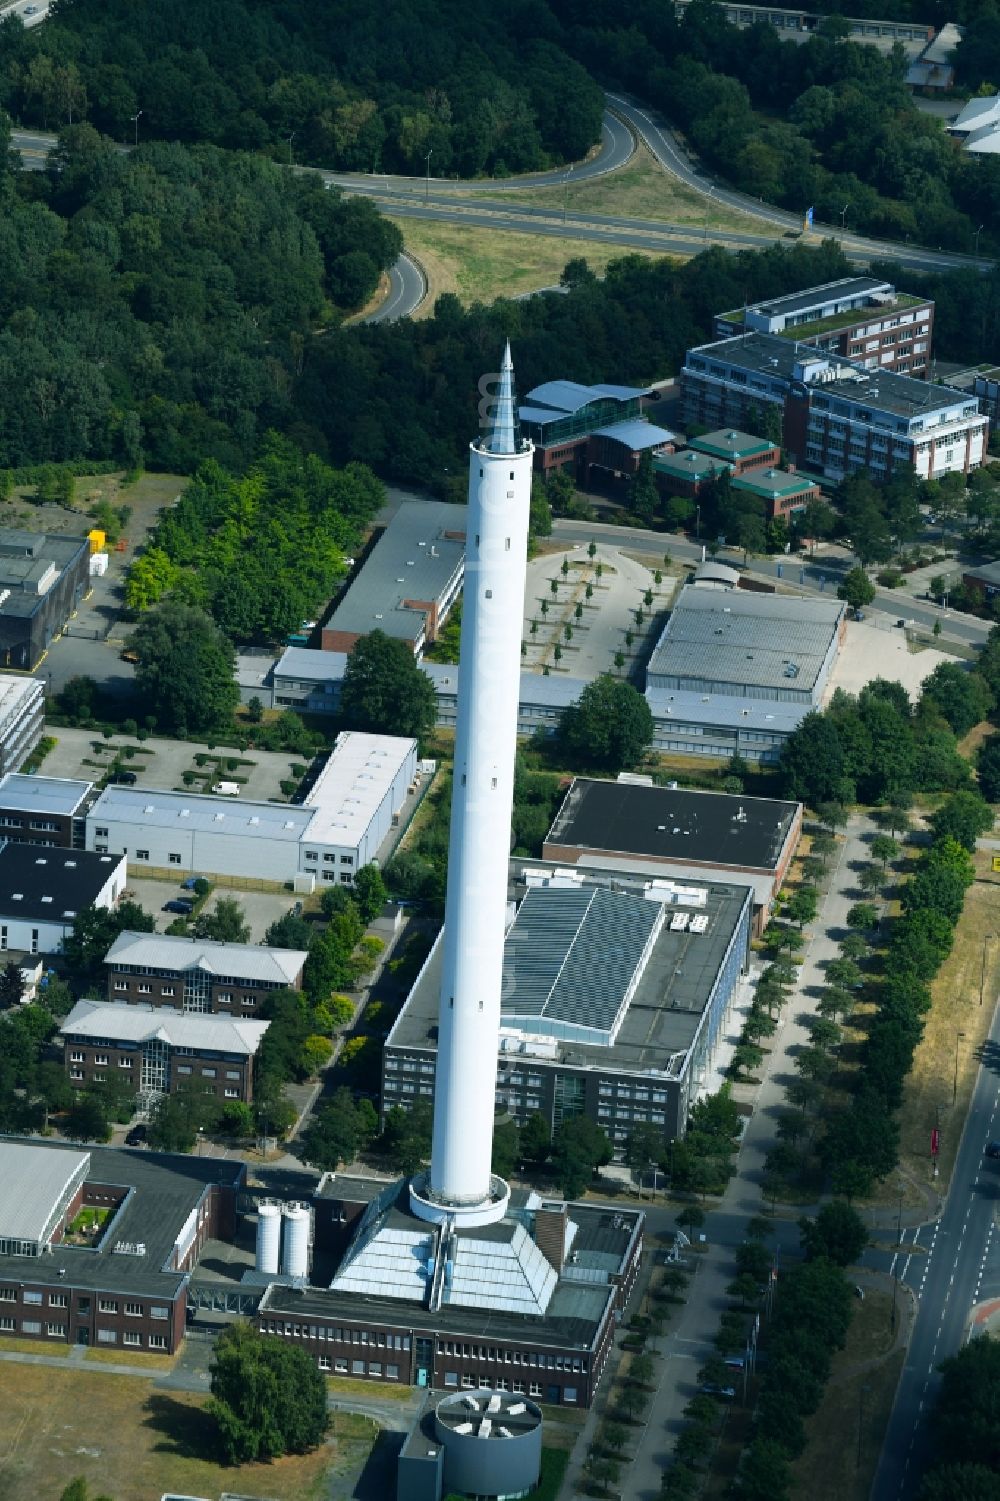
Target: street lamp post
427	180
708	205
565	194
959	1037
843	217
861	1413
978	233
982	976
291	138
697	523
135	121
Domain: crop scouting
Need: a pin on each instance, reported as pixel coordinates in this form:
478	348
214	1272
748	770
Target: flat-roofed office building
616	987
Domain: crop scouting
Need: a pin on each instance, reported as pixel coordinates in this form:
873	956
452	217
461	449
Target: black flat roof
51	885
673	823
165	1189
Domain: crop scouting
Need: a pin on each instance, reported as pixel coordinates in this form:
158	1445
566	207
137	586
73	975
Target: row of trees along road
843	1121
798	1322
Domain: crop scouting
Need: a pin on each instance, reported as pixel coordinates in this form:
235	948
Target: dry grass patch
828	1469
132	1442
639	190
480	264
955	1030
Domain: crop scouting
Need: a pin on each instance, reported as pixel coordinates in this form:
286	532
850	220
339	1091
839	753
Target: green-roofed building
742	451
687	473
781	491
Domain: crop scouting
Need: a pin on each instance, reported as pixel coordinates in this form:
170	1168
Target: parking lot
162	763
871	651
261	908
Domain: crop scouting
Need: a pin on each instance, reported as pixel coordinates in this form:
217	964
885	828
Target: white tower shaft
482	800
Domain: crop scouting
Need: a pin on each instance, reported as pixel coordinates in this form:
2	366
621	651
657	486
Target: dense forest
825	123
480	84
157	305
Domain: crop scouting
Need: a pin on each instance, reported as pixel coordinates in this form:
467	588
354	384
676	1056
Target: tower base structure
426	1206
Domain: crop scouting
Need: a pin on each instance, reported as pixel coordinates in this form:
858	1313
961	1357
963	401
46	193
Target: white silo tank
295	1246
268	1238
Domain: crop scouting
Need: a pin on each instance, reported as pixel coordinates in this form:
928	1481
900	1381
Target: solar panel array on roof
572	958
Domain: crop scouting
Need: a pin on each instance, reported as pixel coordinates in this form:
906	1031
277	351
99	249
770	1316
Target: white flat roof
15	692
245	961
353	783
179	1029
34	1179
42	794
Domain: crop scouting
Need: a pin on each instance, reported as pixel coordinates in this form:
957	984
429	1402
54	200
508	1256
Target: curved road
618	143
407	290
672	157
407	197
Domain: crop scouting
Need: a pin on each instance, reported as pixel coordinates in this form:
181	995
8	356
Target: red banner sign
935	1141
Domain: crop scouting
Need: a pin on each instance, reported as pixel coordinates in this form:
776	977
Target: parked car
711	1390
180	905
125	778
137	1136
129	656
993	1149
190	883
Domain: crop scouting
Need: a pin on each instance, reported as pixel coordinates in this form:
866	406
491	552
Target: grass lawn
640	190
828	1469
343	1386
479	265
147	1359
34	1347
930	1086
134	1443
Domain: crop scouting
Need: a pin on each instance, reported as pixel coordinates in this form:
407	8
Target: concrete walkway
689	1341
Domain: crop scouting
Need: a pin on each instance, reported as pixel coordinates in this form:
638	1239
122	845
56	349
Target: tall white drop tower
460	1187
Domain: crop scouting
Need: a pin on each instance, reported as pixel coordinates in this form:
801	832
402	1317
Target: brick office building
44	810
409	581
617	990
836	416
123	1286
576	428
160	1051
861	318
191	974
529	1305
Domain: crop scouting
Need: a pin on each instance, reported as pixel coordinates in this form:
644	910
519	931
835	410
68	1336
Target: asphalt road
408	197
39	9
616	148
962	1265
407	290
663	144
814	575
